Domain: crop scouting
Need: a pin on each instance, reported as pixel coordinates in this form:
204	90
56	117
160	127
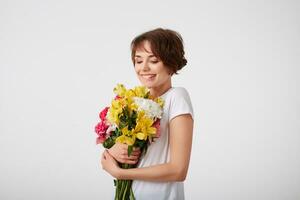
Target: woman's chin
148	84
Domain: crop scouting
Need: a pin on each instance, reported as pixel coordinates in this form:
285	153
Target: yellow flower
160	101
144	127
132	106
129	94
140	91
120	90
127	97
127	137
125	140
114	111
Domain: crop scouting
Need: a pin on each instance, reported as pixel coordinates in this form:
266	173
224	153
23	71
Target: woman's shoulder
179	102
179	94
179	91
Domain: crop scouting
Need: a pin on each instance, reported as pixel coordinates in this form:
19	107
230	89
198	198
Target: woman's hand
120	153
109	164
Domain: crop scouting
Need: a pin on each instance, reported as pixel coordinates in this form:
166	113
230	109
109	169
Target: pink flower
118	97
101	128
156	124
100	139
103	114
110	129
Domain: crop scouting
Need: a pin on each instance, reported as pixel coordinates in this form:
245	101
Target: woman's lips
148	76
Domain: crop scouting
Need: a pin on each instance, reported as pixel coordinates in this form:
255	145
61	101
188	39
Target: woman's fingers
125	148
107	155
132	162
131	157
136	149
103	158
120	153
136	153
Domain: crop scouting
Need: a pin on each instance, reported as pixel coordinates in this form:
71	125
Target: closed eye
153	62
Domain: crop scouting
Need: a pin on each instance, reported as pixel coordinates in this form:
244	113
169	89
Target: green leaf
131	197
108	143
117	133
130	149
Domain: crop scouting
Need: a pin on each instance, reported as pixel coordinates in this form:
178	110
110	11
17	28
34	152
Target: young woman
157	55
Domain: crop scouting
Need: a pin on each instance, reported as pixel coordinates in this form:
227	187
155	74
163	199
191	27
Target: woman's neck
160	90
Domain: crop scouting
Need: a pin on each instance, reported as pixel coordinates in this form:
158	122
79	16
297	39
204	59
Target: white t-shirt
177	102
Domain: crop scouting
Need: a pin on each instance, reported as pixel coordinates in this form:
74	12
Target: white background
59	61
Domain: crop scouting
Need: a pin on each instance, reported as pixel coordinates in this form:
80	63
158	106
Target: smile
148	76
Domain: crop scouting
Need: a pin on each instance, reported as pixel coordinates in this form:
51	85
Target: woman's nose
145	66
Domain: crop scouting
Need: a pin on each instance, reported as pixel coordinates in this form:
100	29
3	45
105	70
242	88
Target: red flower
156	124
103	114
101	128
101	139
118	97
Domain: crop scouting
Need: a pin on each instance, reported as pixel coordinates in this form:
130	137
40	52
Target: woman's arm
181	132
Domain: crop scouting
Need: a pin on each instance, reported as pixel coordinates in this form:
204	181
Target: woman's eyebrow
138	56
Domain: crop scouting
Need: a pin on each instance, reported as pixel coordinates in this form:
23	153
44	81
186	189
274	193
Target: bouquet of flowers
133	118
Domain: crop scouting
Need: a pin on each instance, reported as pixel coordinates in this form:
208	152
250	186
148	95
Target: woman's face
151	71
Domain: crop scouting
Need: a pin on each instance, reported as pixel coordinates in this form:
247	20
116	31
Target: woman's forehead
144	46
145	55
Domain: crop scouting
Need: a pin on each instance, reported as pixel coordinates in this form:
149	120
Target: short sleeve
180	103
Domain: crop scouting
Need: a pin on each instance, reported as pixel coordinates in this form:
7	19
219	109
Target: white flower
111	128
150	107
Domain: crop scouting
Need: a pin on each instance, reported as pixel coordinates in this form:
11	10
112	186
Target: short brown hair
166	44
